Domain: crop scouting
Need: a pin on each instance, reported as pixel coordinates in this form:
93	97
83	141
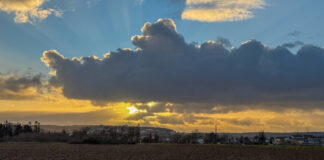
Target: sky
245	65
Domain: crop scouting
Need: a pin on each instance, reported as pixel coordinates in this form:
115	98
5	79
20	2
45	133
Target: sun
132	109
151	104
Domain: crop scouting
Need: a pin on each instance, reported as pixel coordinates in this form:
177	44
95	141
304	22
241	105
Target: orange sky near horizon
58	110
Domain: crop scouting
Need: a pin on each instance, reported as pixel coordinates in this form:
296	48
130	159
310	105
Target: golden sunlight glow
213	15
222	10
46	106
132	109
151	104
27	10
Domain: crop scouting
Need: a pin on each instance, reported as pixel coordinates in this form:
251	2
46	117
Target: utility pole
215	129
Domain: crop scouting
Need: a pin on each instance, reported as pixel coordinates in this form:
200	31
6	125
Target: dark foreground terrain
53	151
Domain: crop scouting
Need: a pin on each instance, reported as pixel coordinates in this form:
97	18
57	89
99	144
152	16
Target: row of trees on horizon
114	135
8	129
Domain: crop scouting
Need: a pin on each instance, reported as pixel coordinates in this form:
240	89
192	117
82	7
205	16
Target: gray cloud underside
293	45
165	68
12	87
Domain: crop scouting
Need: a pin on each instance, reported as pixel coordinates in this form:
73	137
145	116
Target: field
53	151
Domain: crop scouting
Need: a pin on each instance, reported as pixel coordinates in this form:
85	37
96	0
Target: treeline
206	138
32	132
213	138
8	129
107	135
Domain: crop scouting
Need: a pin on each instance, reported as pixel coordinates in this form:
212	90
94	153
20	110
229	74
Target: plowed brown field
56	151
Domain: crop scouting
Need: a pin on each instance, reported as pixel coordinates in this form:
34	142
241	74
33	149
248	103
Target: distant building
299	140
200	141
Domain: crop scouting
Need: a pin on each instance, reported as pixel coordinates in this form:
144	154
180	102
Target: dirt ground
56	151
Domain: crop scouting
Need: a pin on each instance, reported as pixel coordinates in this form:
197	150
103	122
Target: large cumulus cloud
165	68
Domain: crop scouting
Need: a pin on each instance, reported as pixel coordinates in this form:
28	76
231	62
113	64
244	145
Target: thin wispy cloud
28	11
221	10
294	33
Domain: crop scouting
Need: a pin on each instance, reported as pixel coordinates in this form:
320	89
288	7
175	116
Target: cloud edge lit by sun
221	10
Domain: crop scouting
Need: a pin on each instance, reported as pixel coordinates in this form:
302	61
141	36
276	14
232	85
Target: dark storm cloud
165	68
14	87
